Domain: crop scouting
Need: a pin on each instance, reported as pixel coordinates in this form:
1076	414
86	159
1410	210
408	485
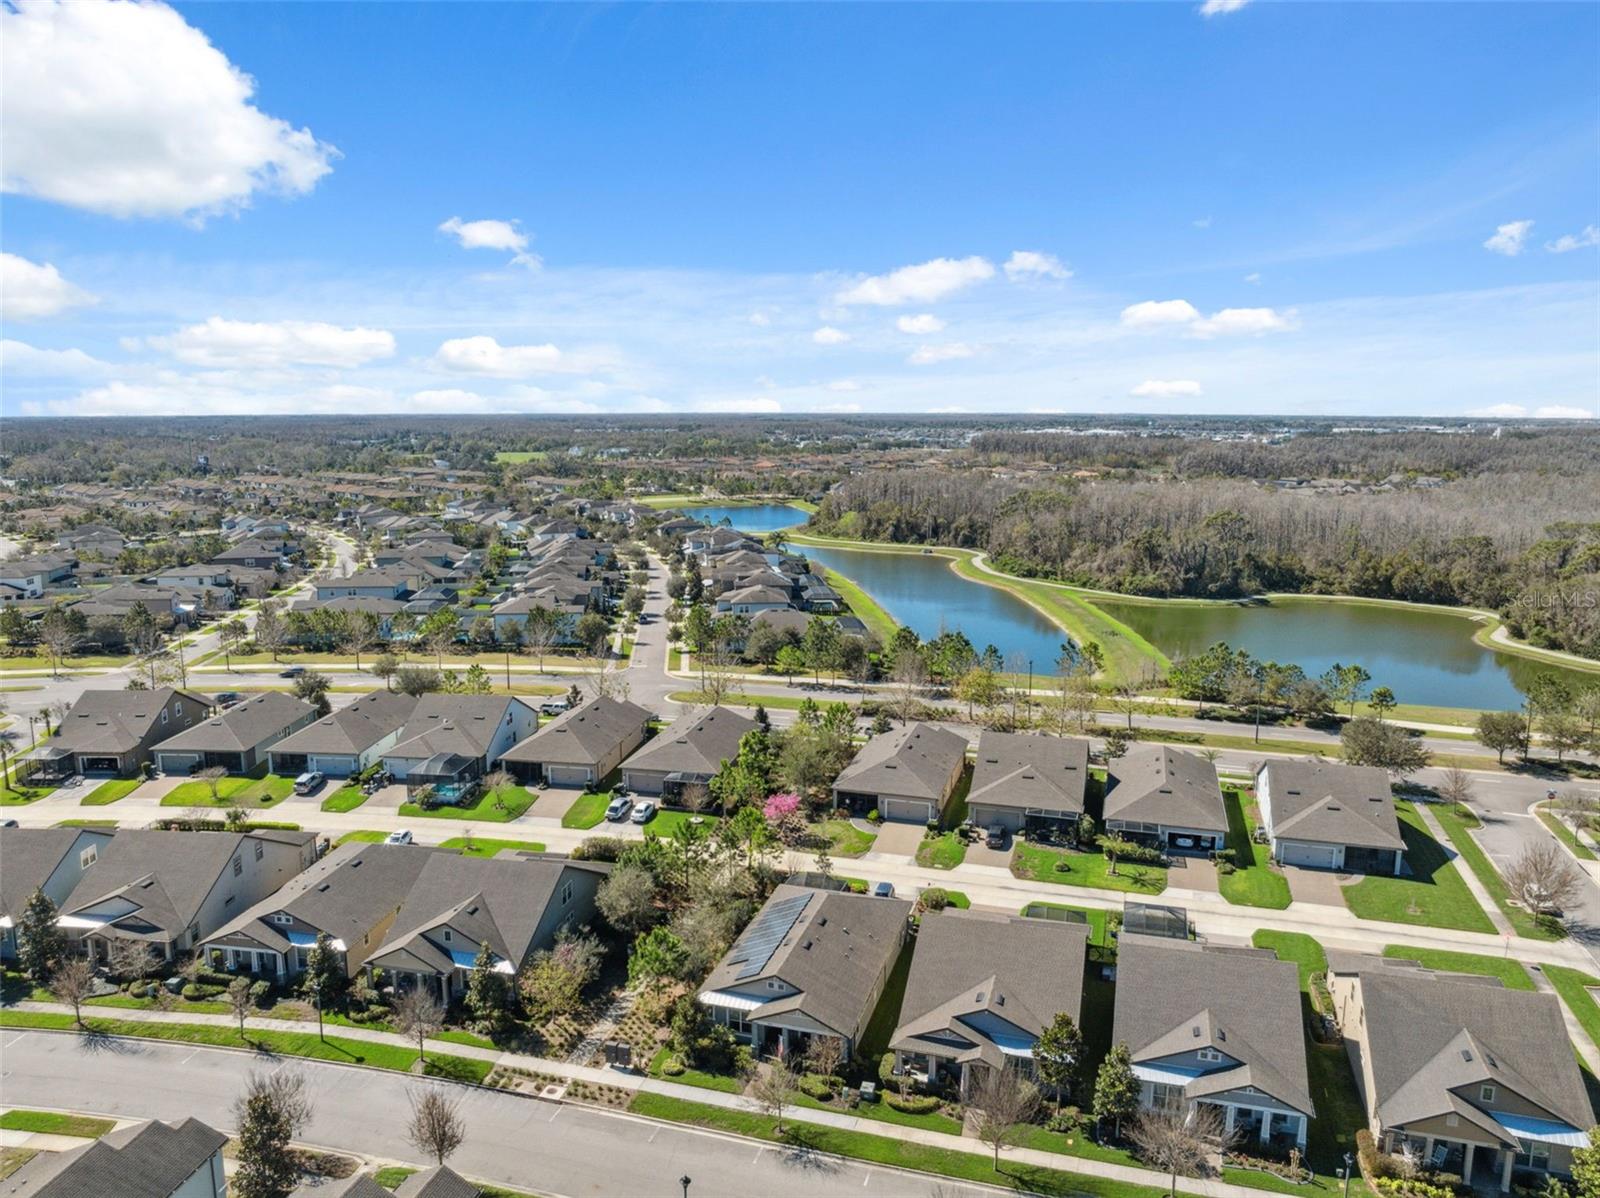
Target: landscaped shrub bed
913	1104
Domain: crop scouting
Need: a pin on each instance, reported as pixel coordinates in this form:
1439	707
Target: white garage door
1314	856
1009	818
335	765
567	775
177	763
914	811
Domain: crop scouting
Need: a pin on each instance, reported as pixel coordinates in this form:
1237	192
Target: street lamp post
1349	1161
318	1005
684	1182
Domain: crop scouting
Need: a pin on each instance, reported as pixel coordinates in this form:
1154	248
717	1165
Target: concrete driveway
979	853
1193	873
897	840
1320	886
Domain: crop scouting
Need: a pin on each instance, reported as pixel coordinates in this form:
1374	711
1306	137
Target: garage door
985	817
177	763
916	811
335	765
1314	856
645	782
567	775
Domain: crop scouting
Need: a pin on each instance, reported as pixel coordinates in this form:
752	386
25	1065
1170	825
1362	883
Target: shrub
913	1104
874	816
196	991
1130	851
814	1085
259	992
933	827
886	1071
935	898
600	848
672	1067
1067	1120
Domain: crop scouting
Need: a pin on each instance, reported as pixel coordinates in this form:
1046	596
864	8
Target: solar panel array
768	931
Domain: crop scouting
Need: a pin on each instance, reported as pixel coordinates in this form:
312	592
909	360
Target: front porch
1482	1166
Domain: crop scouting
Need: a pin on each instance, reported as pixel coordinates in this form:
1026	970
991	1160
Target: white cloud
928	355
1227	322
1568	242
491	235
1499	411
738	407
20	358
828	335
1213	8
1516	411
485	355
920	326
841	408
760	319
1034	264
1152	313
236	343
921	284
33	290
1166	389
127	110
844	385
1562	412
1201	222
1253	277
1510	238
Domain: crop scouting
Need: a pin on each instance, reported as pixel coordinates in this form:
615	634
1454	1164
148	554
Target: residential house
451	741
93	540
352	895
511	616
1218	1026
1471	1077
257	553
357	1185
580	747
387	583
143	1160
201	577
811	963
907	774
236	739
1026	783
1164	797
1327	815
384	609
514	904
747	601
681	761
345	741
437	1181
982	989
169	605
53	860
115	731
34	575
170	890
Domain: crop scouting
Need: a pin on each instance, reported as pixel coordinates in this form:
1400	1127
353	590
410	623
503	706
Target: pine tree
38	938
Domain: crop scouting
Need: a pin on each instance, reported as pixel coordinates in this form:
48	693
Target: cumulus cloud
921	284
1509	238
920	326
129	111
282	343
928	355
1166	389
491	235
1229	322
1154	313
35	290
20	358
1516	411
485	355
828	335
1034	264
1216	8
1568	242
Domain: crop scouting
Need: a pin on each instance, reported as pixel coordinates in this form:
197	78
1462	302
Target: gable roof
243	726
353	728
1157	784
441	1181
584	735
28	856
114	721
1176	996
460	724
916	759
146	1160
1028	772
1333	803
696	743
357	1185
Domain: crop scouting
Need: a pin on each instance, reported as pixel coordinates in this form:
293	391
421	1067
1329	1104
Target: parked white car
618	808
400	836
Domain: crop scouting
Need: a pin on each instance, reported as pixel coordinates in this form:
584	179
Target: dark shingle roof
917	760
1332	803
354	728
241	727
461	724
698	743
28	856
113	721
1157	784
1042	773
584	735
147	1160
441	1181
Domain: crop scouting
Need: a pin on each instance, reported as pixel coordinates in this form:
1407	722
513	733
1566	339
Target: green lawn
875	1039
871	613
488	848
944	851
110	792
1041	864
516	457
664	822
363	836
498	806
21	796
1511	973
1254	883
1297	947
843	837
588	810
85	823
231	792
1457	827
693	1077
1573	986
346	798
1096	919
1565	835
1432	895
53	1124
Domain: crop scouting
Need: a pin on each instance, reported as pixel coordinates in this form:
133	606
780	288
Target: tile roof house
236	739
353	895
53	860
1217	1025
582	746
907	774
451	741
1328	815
114	731
172	889
982	990
514	903
1029	783
145	1160
811	963
688	754
347	740
1160	795
1477	1079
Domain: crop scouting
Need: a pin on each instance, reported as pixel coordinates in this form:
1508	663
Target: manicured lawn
694	1077
875	1039
1095	919
85	823
482	847
864	606
1565	835
1297	947
497	806
346	798
843	837
1511	974
1432	895
21	796
1041	864
53	1124
1253	883
110	792
1457	827
588	810
665	822
391	1176
231	792
944	851
1573	986
363	836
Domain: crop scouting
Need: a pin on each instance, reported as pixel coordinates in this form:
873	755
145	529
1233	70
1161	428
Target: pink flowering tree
784	816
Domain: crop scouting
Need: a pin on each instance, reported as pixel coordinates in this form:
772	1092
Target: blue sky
1281	207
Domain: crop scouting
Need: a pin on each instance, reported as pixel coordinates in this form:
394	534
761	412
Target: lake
755	517
922	592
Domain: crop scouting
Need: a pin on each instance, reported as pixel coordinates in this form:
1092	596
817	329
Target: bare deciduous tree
773	1088
1456	785
1179	1141
1542	879
436	1126
239	1002
825	1054
212	776
1003	1102
71	984
131	959
418	1015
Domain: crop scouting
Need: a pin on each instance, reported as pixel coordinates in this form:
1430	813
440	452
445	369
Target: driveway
897	840
1193	873
1320	886
979	853
555	802
387	798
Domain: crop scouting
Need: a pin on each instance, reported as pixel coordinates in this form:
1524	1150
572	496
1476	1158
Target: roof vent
980	996
1466	1054
1195	1031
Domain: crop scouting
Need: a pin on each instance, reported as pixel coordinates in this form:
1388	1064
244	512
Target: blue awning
1543	1131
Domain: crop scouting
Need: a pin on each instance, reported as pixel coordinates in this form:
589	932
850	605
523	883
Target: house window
89	856
1209	1054
260	848
1162	1095
280	917
566	894
447	935
238	865
1533	1155
163	715
1486	1094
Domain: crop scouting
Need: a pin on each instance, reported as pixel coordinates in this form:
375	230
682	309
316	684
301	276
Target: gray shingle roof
241	727
583	736
1176	996
1042	773
113	721
441	1181
917	760
1332	803
353	728
698	742
463	724
1157	784
357	1185
147	1160
28	856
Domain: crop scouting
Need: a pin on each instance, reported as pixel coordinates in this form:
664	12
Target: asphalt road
550	1148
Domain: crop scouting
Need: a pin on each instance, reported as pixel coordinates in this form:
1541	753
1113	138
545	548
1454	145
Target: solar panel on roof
762	938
